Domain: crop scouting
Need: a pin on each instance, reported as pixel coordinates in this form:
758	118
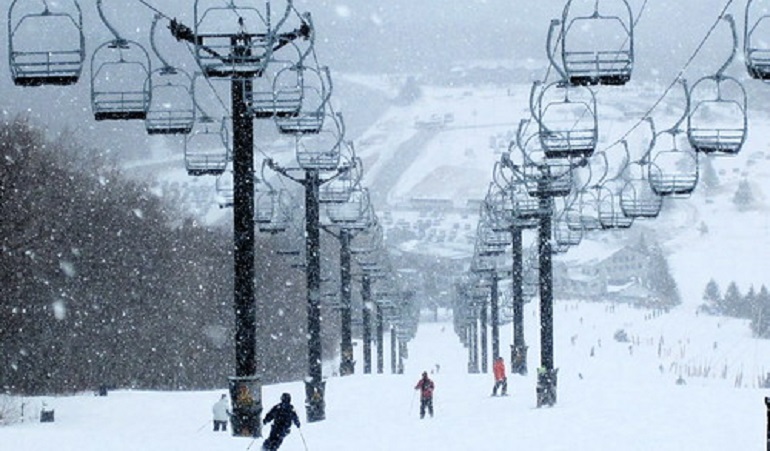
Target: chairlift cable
156	10
678	76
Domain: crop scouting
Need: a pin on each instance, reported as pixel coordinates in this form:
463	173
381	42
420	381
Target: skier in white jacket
221	411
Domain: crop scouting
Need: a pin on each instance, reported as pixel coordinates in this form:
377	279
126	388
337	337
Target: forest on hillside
103	283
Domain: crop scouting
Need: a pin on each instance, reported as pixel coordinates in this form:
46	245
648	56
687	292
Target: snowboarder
221	411
498	368
282	415
426	386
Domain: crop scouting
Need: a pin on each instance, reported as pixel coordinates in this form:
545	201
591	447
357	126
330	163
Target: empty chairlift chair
563	234
314	94
46	45
338	189
582	212
353	213
279	92
553	179
321	151
272	213
172	106
120	70
520	209
637	198
610	214
756	39
608	194
275	95
673	168
718	121
206	148
225	188
597	42
567	120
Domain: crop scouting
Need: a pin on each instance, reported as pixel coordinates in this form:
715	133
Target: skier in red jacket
498	368
426	386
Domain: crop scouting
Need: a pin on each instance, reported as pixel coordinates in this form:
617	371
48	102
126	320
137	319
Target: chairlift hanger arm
331	232
283	171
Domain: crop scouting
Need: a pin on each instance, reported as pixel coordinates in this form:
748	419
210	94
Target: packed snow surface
623	397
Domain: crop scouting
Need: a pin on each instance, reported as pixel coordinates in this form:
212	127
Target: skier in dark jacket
282	415
426	386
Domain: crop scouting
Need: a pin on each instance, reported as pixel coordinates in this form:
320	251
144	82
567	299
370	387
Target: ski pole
411	404
251	443
303	438
202	426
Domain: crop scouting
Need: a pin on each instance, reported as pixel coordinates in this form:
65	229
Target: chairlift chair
45	47
321	151
233	38
279	95
568	123
598	47
673	170
553	179
120	70
756	47
264	101
518	207
119	81
718	121
206	148
352	211
314	94
271	213
490	243
498	207
171	110
610	214
526	210
583	212
225	186
637	198
564	234
172	102
338	189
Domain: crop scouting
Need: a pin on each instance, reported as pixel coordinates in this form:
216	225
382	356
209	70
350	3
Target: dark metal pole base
315	403
246	399
519	359
347	365
546	387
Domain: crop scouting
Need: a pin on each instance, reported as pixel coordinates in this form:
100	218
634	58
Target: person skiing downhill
221	412
498	368
426	386
282	415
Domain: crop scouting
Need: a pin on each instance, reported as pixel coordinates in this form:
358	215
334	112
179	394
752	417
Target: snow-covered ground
624	397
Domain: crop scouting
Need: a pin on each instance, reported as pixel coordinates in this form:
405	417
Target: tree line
102	282
754	305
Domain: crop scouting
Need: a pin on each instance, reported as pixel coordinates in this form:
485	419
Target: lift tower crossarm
184	33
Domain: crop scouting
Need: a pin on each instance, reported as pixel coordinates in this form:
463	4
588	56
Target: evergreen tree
760	321
748	304
732	300
659	278
712	297
743	198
